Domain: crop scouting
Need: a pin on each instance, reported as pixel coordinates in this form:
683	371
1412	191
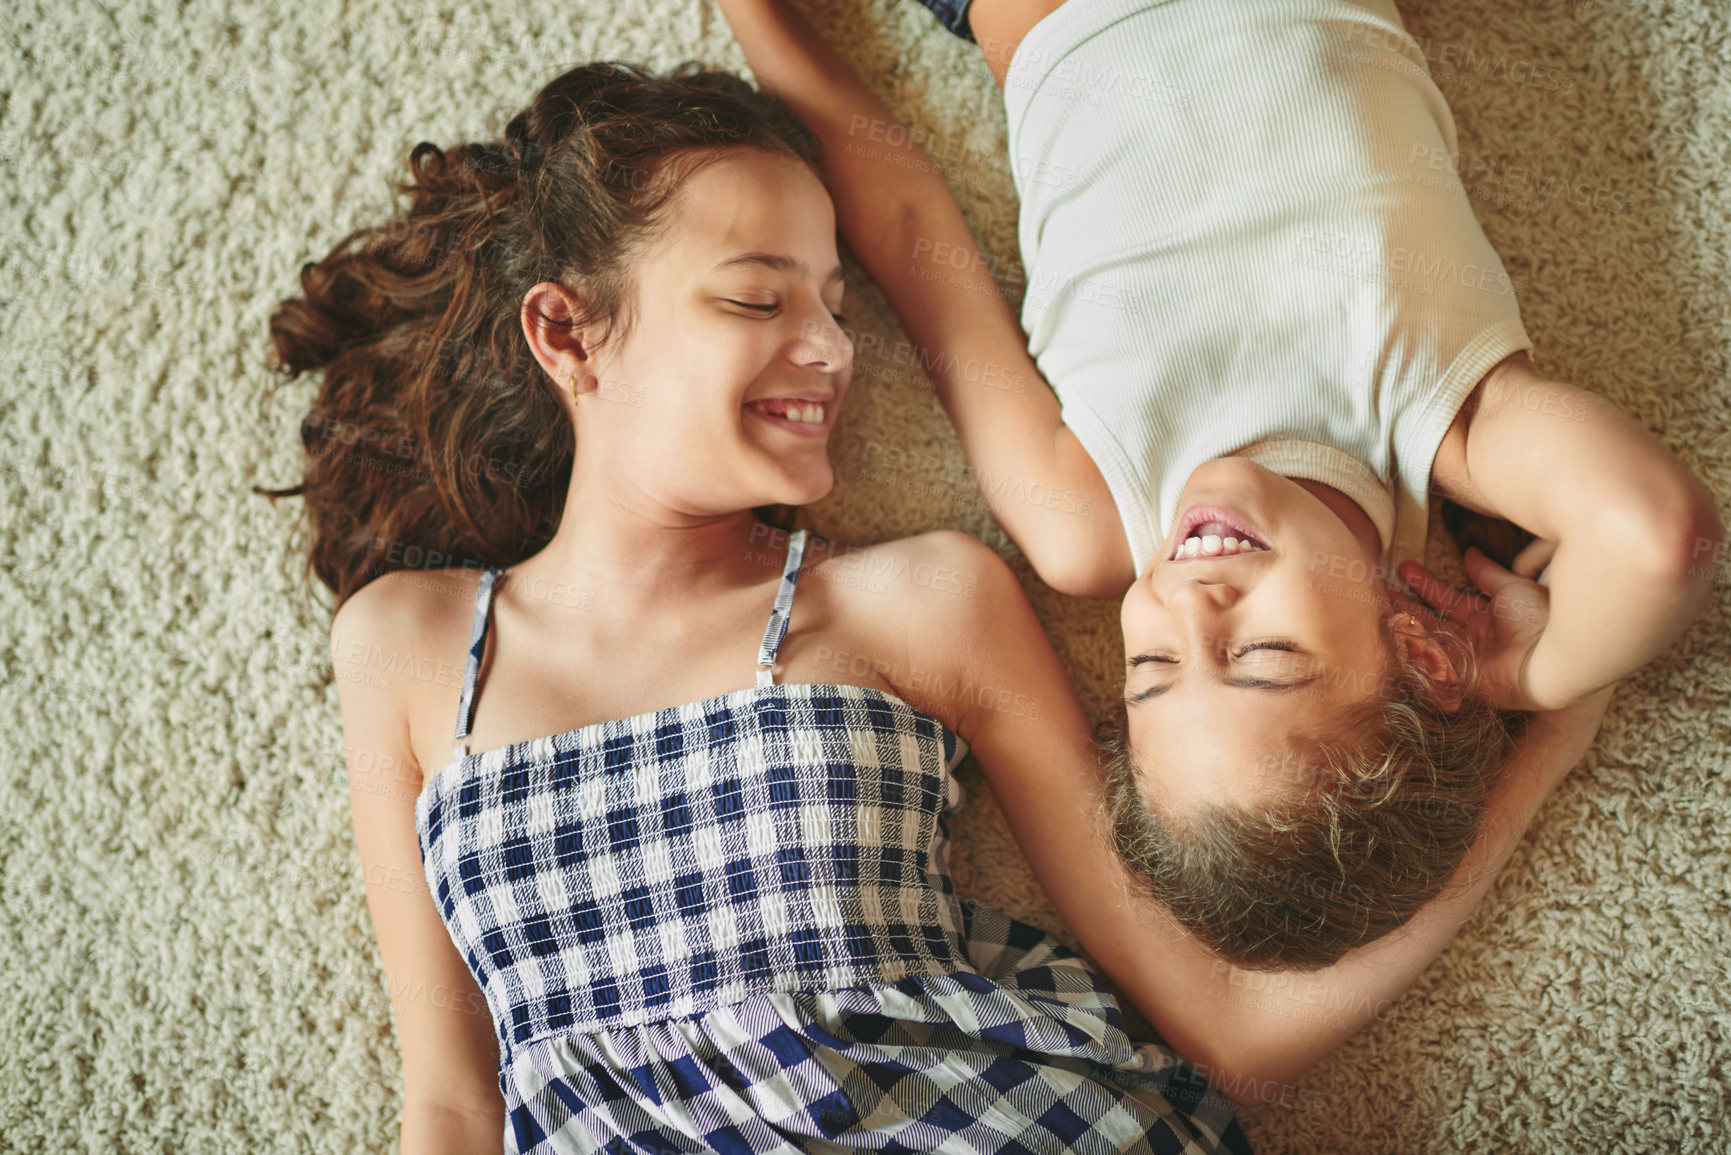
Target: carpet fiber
188	960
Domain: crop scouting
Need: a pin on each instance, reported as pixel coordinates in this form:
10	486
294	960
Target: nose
824	344
1197	605
1199	592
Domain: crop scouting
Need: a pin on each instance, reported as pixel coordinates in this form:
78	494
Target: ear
561	344
1421	650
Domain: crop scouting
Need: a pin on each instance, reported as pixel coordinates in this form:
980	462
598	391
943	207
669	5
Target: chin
805	490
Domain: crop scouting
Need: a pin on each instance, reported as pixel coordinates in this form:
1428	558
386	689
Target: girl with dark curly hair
647	901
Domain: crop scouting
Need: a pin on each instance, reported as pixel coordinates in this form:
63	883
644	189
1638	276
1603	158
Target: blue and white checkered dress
729	926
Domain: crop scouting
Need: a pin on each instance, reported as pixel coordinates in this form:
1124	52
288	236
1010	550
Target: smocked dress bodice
780	838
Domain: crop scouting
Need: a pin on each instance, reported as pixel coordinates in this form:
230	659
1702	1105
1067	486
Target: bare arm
434	1130
1044	771
1638	541
451	1100
900	218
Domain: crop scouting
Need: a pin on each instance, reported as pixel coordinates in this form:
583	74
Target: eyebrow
778	262
1235	683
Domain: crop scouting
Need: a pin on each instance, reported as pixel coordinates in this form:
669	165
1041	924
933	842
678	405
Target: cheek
704	394
1344	600
1307	586
671	386
1130	608
1343	616
1339	557
1138	613
690	432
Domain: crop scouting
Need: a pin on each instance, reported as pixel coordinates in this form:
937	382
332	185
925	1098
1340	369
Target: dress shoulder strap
477	646
778	617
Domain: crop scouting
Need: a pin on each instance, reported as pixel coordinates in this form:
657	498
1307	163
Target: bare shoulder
929	576
405	606
916	613
1511	386
401	642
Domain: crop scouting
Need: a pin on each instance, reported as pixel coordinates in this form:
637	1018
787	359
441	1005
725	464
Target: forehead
1184	766
1239	746
747	199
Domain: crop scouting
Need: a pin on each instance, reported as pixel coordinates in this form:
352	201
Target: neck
642	556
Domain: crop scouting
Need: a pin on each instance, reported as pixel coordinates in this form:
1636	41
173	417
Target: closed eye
1289	647
1235	682
769	310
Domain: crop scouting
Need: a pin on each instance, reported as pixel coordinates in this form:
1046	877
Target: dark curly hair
435	437
1370	830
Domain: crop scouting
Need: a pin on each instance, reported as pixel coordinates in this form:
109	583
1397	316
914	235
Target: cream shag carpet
188	963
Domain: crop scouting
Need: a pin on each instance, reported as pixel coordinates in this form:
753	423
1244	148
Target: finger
1436	594
1531	561
1420	581
1487	574
1439	595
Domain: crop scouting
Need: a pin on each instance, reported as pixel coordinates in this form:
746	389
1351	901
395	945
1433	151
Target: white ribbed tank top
1244	236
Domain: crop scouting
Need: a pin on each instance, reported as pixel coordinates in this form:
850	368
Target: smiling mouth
792	411
1210	532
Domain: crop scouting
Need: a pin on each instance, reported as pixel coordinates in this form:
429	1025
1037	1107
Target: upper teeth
811	414
1211	545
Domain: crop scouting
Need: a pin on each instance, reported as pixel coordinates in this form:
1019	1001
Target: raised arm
900	218
1638	542
1044	771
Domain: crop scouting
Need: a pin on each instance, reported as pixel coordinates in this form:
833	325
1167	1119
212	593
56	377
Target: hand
1502	620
